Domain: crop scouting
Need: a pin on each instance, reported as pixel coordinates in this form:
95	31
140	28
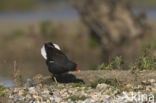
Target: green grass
111	82
116	63
104	66
154	95
77	84
44	26
2	93
145	62
18	32
93	42
2	87
75	98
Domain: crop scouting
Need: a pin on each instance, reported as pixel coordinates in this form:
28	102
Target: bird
56	60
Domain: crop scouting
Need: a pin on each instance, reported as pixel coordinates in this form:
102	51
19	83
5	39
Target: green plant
105	66
147	61
111	82
2	93
77	84
17	77
154	95
18	32
76	98
2	87
92	42
133	66
118	62
44	26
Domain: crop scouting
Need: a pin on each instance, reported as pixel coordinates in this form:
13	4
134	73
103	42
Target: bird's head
77	68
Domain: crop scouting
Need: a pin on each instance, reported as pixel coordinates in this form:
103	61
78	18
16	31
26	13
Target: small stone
37	78
32	91
46	91
148	88
145	82
51	93
48	101
38	98
28	96
11	96
129	86
21	93
16	90
29	82
17	98
152	80
57	99
101	86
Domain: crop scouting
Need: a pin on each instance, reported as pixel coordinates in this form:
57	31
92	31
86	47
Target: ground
84	86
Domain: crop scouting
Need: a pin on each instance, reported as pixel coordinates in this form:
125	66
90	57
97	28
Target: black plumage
56	60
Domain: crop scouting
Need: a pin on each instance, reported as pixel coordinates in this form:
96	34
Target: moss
76	98
105	66
44	26
77	84
18	32
2	93
2	87
154	95
111	82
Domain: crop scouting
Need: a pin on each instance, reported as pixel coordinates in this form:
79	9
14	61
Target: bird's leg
54	78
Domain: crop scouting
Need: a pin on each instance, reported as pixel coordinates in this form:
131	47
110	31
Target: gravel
39	92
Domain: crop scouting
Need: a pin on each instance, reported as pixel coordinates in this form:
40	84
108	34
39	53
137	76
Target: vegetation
147	61
18	32
76	98
2	87
104	66
44	27
116	63
144	62
111	82
77	84
2	93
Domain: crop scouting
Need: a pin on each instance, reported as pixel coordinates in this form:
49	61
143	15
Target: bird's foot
55	80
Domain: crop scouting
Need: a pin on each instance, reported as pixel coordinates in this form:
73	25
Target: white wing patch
56	46
43	52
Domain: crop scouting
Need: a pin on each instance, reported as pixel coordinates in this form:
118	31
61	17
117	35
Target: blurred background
89	32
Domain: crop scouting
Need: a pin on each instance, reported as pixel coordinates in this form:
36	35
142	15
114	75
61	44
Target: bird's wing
53	54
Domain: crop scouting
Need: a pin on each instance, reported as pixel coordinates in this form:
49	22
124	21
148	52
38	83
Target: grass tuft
111	82
2	87
2	93
77	84
75	98
18	32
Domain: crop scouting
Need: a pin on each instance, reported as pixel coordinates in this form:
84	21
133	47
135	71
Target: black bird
56	60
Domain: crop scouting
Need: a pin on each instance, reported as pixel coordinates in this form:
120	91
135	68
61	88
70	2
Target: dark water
6	81
150	12
58	14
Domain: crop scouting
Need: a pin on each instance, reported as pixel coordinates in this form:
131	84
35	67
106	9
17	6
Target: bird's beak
77	69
